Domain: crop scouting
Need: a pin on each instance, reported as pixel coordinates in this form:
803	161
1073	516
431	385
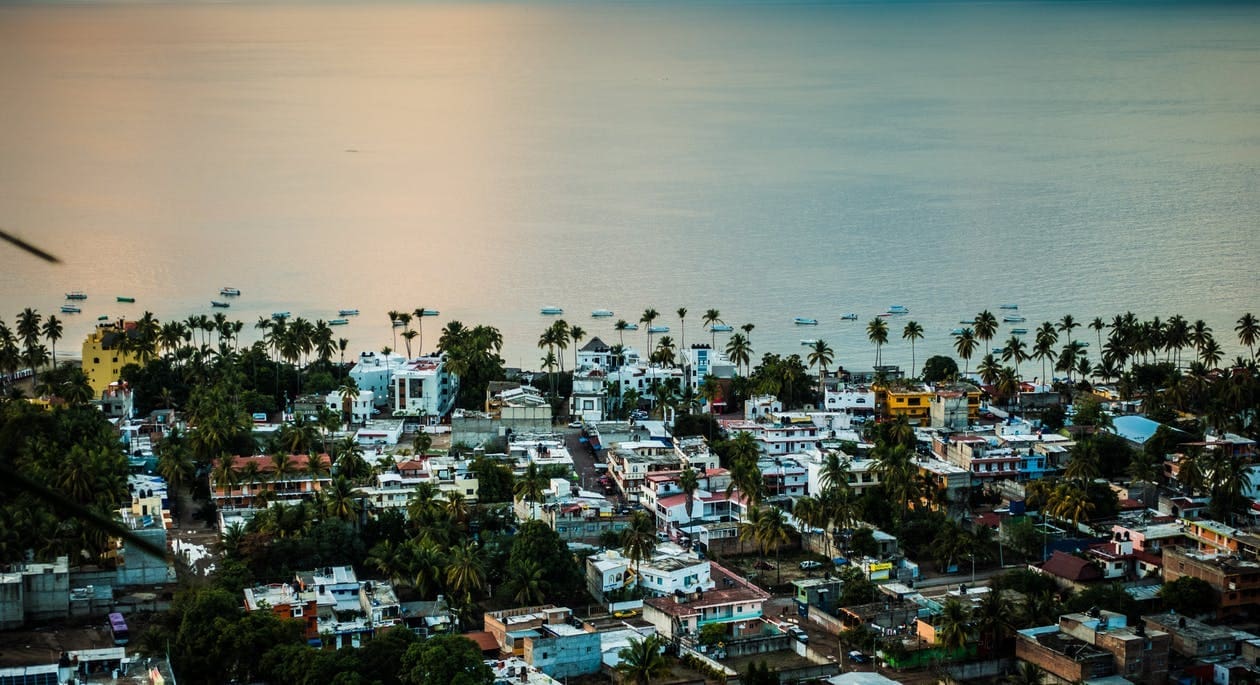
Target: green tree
445	660
642	662
912	332
877	333
712	317
536	543
965	345
939	368
821	355
953	625
1189	596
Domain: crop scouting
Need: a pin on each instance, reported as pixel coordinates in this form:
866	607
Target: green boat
103	317
122	298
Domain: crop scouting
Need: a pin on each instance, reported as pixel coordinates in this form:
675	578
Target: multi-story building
103	356
1214	537
732	600
956	406
861	472
984	457
361	408
1194	639
256	484
393	488
671	569
289	601
548	638
784	433
589	398
1235	580
374	372
1086	646
700	362
424	387
910	400
853	400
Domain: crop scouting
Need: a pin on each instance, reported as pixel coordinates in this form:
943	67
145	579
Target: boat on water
279	315
70	309
967	322
224	305
1083	343
721	328
898	309
398	323
849	317
1008	306
103	317
1014	318
1019	331
124	298
76	295
808	341
883	315
999	350
429	312
956	331
632	327
802	321
347	312
658	329
230	292
552	310
602	313
338	322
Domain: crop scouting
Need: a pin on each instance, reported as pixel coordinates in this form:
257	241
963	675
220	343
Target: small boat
1083	343
1008	306
1013	318
632	327
956	331
230	292
338	322
898	309
602	313
347	312
280	315
721	328
103	317
968	322
76	295
398	323
658	329
429	312
802	321
224	305
808	341
999	350
1019	331
849	317
549	311
70	309
883	315
124	298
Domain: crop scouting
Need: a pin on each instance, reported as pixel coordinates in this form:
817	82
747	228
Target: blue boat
802	321
721	328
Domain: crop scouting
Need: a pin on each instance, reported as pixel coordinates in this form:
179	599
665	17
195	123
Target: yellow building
911	401
103	362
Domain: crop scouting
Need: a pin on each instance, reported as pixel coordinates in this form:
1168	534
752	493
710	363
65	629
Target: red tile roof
266	465
1071	567
485	641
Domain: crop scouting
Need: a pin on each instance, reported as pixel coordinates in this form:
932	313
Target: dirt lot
45	645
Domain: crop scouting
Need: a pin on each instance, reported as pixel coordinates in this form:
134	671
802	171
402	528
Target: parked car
626	613
798	633
810	565
858	657
575	424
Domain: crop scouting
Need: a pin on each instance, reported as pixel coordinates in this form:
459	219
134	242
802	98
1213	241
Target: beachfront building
700	361
911	400
104	357
361	408
373	373
857	401
255	482
424	387
589	399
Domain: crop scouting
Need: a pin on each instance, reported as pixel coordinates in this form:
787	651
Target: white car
810	565
575	424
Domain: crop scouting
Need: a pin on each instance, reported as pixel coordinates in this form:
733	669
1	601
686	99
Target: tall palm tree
1067	324
711	317
649	315
821	355
465	569
1070	503
393	316
560	333
1015	350
408	335
1210	353
418	312
1044	343
738	350
665	351
1098	325
953	626
52	330
689	482
912	332
965	345
1248	330
642	661
526	583
621	327
986	325
531	486
773	530
748	329
877	333
638	540
576	334
682	327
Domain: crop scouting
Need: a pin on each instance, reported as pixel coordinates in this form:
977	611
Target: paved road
583	459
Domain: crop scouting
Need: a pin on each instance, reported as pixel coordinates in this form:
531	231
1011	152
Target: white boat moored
802	321
602	313
898	309
550	310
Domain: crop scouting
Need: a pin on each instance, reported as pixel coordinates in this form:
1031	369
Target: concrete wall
829	623
46	590
12	606
565	656
141	567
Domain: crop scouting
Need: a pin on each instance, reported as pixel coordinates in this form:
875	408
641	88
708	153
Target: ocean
768	159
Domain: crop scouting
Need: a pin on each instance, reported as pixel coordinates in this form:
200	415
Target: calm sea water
770	160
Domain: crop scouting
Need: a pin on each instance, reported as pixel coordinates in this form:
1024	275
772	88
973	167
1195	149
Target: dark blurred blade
29	248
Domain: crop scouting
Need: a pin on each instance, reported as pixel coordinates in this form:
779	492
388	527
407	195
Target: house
374	372
1069	571
732	600
1087	646
852	400
362	407
548	638
986	458
823	593
671	569
1235	580
1193	639
589	398
288	601
779	433
955	406
255	483
911	400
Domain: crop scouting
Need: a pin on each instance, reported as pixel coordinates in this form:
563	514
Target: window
297	612
96	360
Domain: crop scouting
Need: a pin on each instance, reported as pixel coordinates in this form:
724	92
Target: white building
423	387
361	407
671	569
700	361
393	489
373	373
590	396
855	400
782	434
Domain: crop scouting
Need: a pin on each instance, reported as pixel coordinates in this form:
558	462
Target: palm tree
821	355
1066	324
1046	339
408	335
877	333
894	464
526	583
339	499
689	482
988	369
773	530
52	333
986	326
738	350
418	312
394	314
748	329
1028	673
560	333
649	315
349	392
711	317
1098	325
1015	351
1070	503
642	662
682	327
912	332
1191	472
465	571
1248	330
665	351
953	626
638	540
576	334
965	345
531	486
